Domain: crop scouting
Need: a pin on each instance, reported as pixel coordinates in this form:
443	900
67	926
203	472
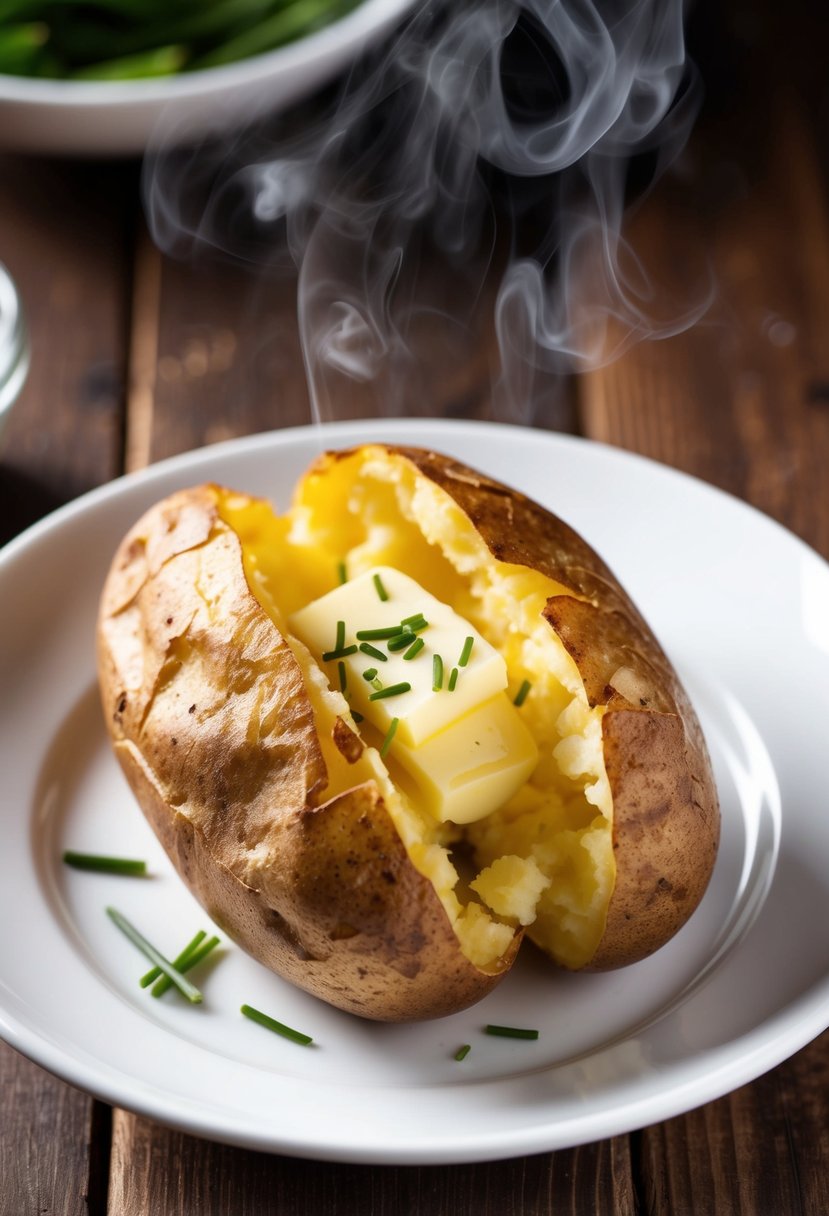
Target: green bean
300	18
20	46
162	61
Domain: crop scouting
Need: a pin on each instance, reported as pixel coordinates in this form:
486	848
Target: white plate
743	608
120	117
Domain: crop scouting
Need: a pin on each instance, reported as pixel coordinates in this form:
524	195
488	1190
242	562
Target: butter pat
472	767
420	712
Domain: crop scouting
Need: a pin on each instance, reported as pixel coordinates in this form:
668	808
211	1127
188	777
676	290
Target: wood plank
156	1172
63	438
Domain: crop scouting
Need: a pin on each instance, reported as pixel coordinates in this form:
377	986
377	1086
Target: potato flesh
551	843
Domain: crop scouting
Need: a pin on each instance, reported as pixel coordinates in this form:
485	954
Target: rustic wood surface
137	357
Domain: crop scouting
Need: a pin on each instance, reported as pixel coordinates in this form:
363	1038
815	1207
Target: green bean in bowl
140	39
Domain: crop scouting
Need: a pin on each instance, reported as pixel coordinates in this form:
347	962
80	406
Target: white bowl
113	118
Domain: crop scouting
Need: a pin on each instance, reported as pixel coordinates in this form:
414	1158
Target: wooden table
137	358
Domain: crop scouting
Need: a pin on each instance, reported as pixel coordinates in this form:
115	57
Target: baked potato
289	814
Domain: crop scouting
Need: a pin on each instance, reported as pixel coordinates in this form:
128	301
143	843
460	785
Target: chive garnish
401	642
511	1032
415	648
184	986
522	694
463	1052
193	959
340	642
154	972
377	683
389	736
416	623
100	864
379	588
341	573
296	1036
453	679
374	635
437	673
367	648
370	674
393	690
466	652
343	677
330	655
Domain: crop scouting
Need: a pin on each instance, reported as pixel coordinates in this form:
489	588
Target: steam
498	136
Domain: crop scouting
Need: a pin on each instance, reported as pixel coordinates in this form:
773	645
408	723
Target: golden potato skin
666	812
210	721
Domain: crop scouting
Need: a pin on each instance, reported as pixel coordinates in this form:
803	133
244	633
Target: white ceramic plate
120	117
743	608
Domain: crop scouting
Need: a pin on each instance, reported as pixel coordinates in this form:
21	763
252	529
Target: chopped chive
511	1032
418	621
357	716
296	1036
374	635
184	986
343	677
437	673
100	864
370	674
377	683
415	648
453	679
154	972
393	690
466	652
389	736
340	642
379	588
330	655
341	573
193	959
463	1052
522	694
367	648
401	642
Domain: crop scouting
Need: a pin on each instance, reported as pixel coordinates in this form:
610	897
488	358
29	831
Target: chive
341	672
416	623
401	642
338	654
463	1052
367	648
415	648
511	1032
377	683
296	1036
357	716
437	673
154	972
389	736
184	986
370	674
341	573
100	864
193	959
523	692
453	679
379	588
340	642
393	690
374	635
466	652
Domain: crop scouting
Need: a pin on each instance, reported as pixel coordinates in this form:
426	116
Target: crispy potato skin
211	723
665	806
212	726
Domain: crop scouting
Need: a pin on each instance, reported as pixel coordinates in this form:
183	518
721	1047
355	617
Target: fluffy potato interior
544	860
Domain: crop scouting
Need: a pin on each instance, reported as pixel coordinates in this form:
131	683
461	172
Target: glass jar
14	345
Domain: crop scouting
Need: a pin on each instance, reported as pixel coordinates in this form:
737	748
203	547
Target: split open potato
388	850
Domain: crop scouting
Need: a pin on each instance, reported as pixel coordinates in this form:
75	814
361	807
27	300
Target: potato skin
211	723
212	726
666	812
